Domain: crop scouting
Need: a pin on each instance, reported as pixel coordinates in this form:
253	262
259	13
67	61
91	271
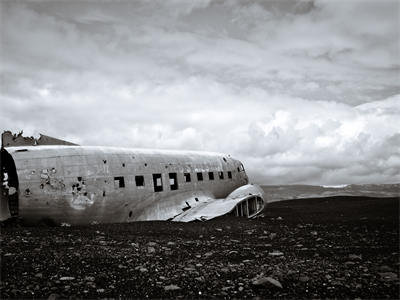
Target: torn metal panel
8	139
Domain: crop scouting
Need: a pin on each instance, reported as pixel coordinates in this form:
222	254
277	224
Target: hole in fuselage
9	184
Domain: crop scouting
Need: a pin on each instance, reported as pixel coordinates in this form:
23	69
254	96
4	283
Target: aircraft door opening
8	186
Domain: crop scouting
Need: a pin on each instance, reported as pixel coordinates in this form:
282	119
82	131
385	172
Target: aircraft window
119	182
199	176
229	174
241	168
139	180
173	181
157	182
211	175
221	175
187	177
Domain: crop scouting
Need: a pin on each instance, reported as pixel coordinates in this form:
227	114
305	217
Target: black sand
338	247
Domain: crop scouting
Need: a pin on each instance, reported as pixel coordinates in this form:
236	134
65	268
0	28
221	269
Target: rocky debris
304	278
388	276
346	258
171	287
66	278
53	297
355	257
266	281
275	253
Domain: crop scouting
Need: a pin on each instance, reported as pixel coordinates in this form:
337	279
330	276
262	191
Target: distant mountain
285	192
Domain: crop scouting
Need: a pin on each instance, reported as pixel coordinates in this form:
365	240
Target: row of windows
119	181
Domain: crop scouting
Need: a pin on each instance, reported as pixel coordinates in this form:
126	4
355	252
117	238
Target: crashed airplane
52	179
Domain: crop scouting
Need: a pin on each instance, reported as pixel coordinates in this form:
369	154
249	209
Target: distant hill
285	192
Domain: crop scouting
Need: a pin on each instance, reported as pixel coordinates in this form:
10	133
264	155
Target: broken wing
246	201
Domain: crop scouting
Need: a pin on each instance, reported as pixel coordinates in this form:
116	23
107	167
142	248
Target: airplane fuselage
81	185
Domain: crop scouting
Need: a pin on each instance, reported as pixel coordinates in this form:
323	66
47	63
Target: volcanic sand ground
338	247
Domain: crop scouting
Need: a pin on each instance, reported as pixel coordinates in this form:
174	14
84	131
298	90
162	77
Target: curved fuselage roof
112	184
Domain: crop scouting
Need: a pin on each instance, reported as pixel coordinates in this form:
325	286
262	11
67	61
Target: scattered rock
53	297
200	279
275	253
67	278
266	281
344	260
171	287
208	254
304	279
355	257
388	276
385	268
224	270
272	235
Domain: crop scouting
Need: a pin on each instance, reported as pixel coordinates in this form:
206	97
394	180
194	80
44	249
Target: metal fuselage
80	185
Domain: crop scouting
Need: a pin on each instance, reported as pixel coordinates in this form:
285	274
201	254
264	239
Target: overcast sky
299	91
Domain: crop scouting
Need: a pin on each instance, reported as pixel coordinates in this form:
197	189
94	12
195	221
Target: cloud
301	92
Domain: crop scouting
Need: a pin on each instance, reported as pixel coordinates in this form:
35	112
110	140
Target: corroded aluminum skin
75	184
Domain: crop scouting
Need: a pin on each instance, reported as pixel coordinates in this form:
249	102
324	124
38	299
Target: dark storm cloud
301	91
